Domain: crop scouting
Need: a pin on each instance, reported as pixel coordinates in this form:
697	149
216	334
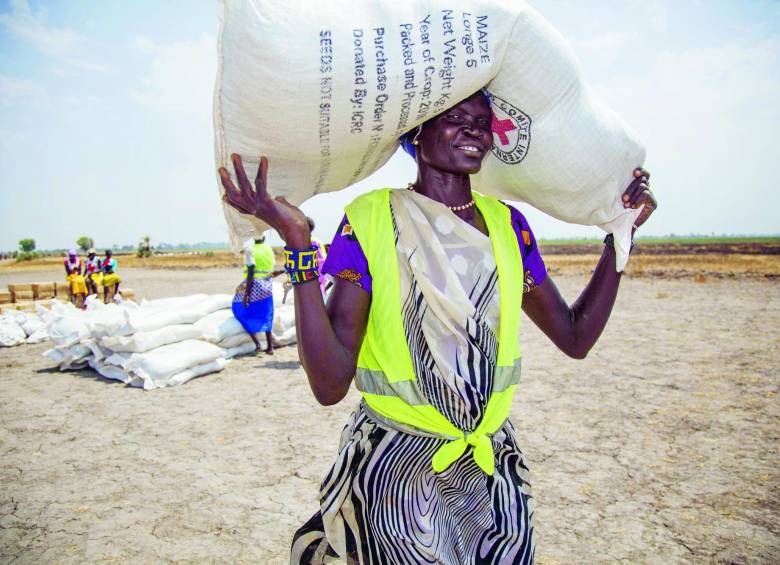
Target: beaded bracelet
301	264
300	277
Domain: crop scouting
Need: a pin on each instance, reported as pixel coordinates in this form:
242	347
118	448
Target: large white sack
70	357
235	341
118	359
28	321
104	319
173	301
38	336
279	297
213	303
11	333
168	360
32	324
244	349
109	371
203	303
99	353
284	319
189	374
67	329
56	354
150	319
324	89
219	325
144	341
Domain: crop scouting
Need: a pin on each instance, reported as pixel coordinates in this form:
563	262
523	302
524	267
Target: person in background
110	279
93	277
321	255
253	302
77	289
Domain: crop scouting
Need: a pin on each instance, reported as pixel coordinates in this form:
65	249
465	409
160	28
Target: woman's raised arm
328	338
576	328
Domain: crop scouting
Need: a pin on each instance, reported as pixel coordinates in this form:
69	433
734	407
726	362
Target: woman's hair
407	139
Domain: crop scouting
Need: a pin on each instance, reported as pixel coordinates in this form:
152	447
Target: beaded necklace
465	206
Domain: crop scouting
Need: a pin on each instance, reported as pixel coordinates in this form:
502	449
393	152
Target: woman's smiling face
458	139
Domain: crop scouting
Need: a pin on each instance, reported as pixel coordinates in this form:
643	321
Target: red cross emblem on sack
511	131
501	127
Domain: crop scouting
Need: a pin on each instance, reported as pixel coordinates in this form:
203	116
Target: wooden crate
61	290
42	291
21	295
20	292
5	296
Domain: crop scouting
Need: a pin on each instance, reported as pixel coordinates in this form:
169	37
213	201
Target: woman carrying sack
424	317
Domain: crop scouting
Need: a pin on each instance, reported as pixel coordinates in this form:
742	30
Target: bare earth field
661	447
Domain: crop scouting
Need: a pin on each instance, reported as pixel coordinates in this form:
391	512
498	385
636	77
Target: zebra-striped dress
382	502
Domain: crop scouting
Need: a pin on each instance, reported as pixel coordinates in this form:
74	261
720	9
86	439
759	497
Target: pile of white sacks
158	343
18	327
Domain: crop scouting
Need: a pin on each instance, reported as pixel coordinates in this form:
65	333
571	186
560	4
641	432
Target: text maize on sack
325	89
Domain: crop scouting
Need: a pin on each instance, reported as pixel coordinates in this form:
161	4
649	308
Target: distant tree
144	247
85	243
27	245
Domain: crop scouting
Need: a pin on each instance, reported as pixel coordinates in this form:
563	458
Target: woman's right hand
286	219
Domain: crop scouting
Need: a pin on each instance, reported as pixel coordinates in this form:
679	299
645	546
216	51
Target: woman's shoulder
517	216
371	198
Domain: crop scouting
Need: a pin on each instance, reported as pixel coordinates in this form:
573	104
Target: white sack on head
324	90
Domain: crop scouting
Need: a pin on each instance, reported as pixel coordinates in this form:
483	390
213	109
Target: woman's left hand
637	194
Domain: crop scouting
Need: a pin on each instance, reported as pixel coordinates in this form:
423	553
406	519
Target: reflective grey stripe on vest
375	382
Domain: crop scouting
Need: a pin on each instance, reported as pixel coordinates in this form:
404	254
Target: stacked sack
160	343
18	327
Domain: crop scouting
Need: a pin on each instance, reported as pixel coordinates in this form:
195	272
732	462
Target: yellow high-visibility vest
385	375
264	260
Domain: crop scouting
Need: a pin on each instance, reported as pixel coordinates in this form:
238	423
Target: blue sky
106	128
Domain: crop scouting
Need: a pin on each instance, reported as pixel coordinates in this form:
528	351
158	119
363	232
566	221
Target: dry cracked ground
661	447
